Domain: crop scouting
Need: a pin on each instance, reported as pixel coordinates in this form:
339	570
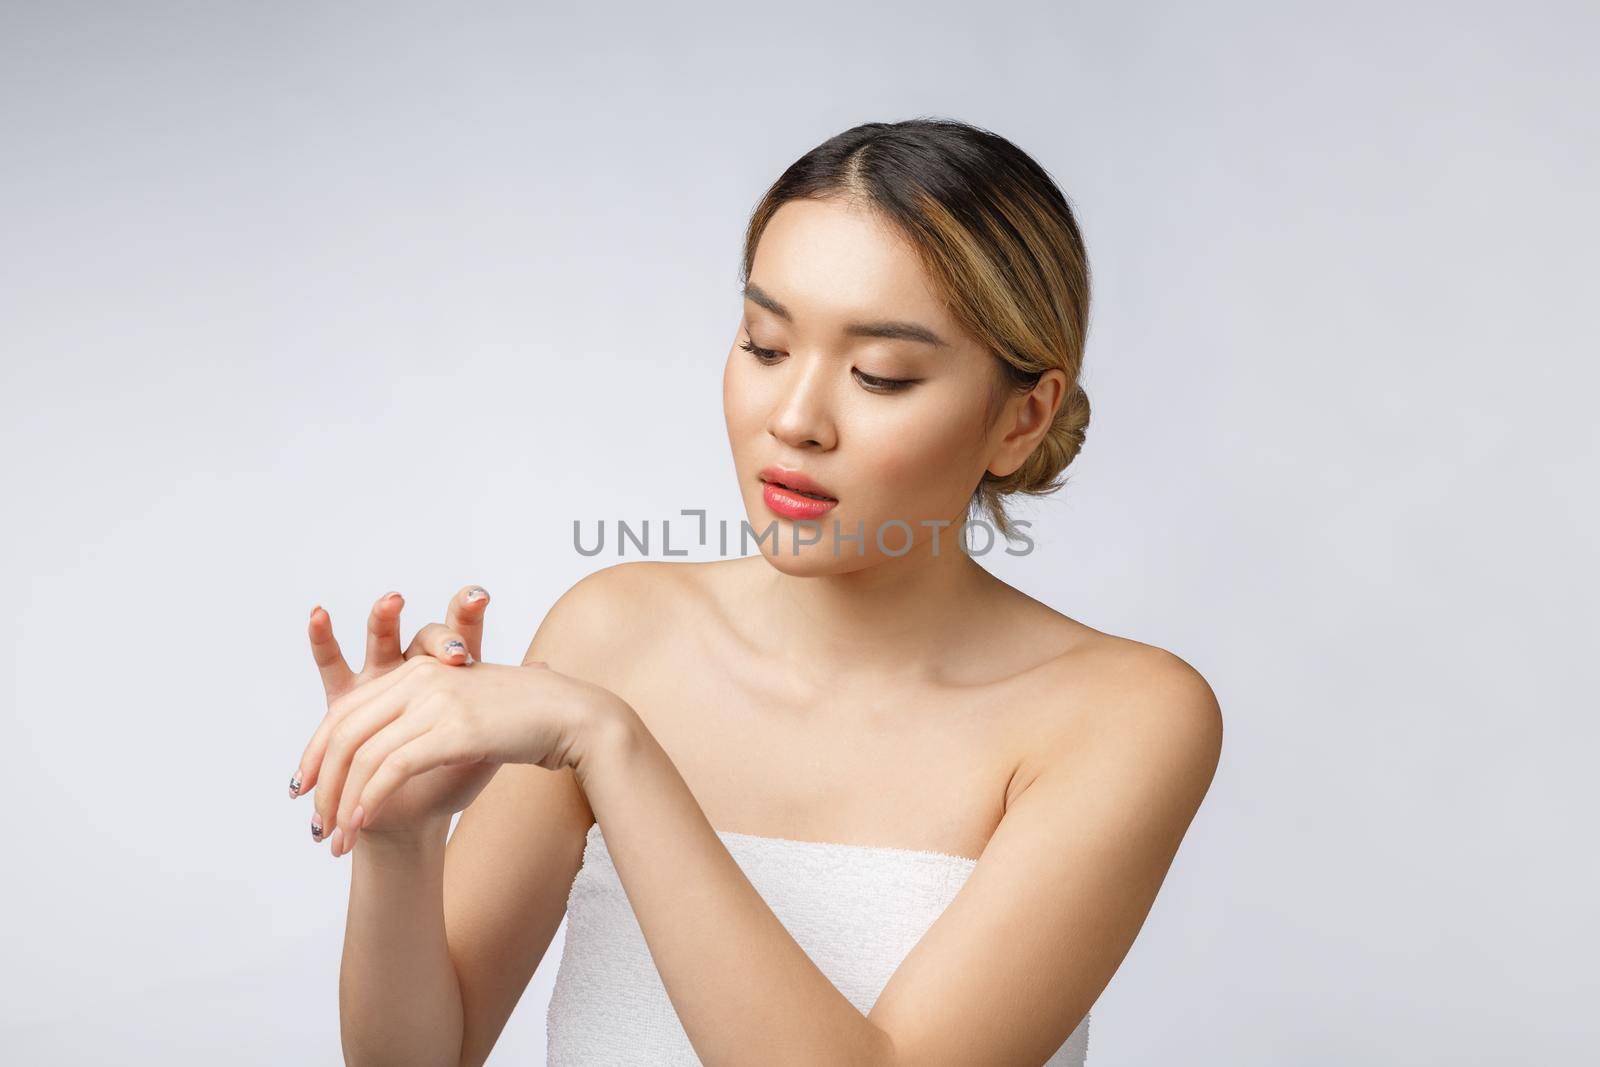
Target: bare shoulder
595	612
618	607
1119	707
1149	682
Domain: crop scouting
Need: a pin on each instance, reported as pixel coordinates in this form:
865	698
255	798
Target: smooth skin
911	701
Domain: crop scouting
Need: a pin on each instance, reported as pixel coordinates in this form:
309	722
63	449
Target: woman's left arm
744	989
1006	972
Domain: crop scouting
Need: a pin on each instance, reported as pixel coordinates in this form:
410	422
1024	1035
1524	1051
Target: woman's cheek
741	404
915	470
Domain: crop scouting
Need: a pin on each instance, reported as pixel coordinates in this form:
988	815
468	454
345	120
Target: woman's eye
765	355
884	385
870	381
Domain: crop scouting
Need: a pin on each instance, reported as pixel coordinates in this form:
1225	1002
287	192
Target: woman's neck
903	616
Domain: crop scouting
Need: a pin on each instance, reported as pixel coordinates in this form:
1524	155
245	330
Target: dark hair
998	239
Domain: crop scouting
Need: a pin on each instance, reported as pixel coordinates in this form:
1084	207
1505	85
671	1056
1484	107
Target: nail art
476	593
316	827
294	785
452	646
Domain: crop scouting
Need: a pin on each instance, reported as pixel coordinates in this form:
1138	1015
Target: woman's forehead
825	265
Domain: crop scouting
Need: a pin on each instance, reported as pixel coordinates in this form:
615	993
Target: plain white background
306	302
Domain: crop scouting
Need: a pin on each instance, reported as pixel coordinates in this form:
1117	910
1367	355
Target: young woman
847	800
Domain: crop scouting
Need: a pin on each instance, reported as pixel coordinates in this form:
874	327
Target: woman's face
838	310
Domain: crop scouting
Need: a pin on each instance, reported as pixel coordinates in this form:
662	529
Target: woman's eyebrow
894	331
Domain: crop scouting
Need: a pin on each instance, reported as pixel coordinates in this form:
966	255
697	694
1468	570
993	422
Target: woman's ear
1025	420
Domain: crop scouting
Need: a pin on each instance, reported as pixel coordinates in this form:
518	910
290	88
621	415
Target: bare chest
899	767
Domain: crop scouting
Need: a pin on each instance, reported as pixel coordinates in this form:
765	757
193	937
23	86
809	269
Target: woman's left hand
427	714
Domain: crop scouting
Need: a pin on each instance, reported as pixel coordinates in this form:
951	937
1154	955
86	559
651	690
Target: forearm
743	989
399	999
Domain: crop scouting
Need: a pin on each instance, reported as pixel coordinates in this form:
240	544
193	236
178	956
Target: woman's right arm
399	996
441	940
442	937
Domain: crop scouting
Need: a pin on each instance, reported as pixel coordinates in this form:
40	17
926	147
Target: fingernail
316	828
336	840
314	611
470	660
355	818
452	646
294	785
394	596
476	593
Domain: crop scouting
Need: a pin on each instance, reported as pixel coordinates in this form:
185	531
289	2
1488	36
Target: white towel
857	910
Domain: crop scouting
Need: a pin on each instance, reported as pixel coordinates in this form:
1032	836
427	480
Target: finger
337	678
442	745
310	769
367	760
353	731
440	642
383	634
336	673
465	616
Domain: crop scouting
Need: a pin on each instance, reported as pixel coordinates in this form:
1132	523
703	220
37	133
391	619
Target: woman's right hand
458	642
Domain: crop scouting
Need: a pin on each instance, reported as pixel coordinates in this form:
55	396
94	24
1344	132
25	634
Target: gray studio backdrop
306	302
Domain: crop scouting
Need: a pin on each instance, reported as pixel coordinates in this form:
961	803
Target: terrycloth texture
857	910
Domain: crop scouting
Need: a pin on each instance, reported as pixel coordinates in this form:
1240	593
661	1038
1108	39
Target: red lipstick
793	495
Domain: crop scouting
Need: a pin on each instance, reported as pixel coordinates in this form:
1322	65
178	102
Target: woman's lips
794	505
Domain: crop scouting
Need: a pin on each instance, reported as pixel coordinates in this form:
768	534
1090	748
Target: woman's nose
802	417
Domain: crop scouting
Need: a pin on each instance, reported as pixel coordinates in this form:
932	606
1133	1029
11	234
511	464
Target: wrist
405	848
430	828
